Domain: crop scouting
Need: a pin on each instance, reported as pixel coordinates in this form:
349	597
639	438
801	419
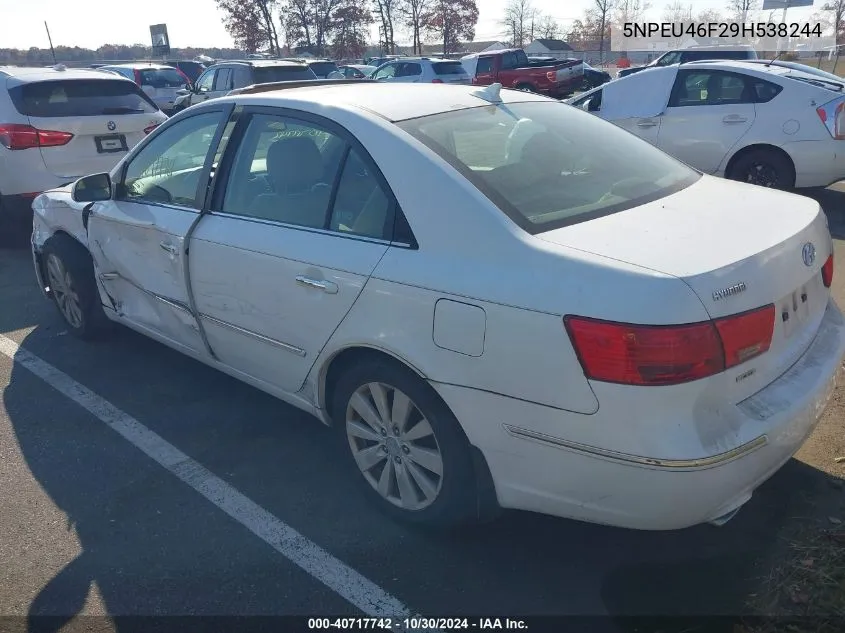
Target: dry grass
805	592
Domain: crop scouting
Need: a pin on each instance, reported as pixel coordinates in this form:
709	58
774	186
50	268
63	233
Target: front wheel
765	168
69	272
406	446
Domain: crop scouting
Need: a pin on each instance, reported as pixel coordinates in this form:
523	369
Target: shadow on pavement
155	547
832	201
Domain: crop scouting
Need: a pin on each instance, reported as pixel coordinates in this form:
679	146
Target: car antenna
491	94
775	58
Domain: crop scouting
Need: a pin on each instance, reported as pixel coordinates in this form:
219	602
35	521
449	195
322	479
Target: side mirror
92	188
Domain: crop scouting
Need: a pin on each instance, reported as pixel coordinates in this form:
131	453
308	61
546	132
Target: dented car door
138	238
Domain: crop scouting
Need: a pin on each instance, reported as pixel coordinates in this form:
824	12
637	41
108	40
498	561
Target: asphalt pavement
135	481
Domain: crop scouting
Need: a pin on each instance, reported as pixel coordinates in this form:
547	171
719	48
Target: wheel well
351	355
758	147
59	236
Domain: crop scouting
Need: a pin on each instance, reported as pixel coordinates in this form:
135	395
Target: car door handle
734	118
167	246
319	284
646	123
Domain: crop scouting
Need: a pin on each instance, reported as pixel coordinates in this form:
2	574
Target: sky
197	23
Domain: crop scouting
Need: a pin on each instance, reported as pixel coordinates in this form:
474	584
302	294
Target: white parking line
333	573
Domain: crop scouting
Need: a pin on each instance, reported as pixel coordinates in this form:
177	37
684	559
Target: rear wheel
407	448
525	87
69	272
765	168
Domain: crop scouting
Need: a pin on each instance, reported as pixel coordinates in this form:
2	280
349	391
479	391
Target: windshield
547	165
162	78
80	97
272	74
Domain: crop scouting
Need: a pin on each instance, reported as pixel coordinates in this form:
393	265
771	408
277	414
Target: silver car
422	70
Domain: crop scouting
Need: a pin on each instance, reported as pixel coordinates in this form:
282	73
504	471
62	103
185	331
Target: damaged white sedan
498	302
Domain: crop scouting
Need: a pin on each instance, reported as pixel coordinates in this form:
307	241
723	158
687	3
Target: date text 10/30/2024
417	623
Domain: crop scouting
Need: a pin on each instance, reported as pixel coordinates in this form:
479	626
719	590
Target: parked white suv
58	124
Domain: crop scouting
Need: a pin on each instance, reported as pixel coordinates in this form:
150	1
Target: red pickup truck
512	68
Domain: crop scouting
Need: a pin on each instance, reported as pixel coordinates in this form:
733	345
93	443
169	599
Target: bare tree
452	21
629	10
604	12
519	20
548	28
386	11
677	11
416	15
709	15
739	9
250	23
836	10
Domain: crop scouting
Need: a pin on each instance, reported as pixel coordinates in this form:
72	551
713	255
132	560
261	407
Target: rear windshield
80	97
162	78
449	68
548	165
272	74
323	68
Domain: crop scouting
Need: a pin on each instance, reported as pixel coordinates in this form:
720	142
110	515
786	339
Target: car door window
409	70
668	59
283	172
241	78
386	72
509	61
206	82
485	65
168	168
222	83
361	205
710	87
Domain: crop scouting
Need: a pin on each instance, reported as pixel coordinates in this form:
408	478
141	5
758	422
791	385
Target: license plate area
111	143
794	310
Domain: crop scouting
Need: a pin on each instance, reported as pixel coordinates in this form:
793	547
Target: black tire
525	87
79	279
456	503
765	168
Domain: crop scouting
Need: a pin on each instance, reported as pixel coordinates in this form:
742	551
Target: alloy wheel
64	293
762	174
394	446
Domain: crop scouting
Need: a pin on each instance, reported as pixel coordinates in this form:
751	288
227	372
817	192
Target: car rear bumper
539	472
817	163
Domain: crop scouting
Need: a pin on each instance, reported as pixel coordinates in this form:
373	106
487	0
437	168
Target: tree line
108	52
340	28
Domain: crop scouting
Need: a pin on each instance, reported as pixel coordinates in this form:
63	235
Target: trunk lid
738	247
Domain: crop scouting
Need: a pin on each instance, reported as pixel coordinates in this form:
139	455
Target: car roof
26	74
394	102
751	66
140	65
261	63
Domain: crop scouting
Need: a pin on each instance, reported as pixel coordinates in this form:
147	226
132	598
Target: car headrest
294	164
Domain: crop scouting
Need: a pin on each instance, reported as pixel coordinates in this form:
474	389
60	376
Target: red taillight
149	129
822	114
746	335
827	272
551	75
437	81
668	354
14	137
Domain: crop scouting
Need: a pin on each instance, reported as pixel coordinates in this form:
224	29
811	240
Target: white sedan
769	125
571	322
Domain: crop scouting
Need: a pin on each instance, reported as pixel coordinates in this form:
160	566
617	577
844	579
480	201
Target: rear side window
80	97
273	74
509	60
409	70
765	91
448	68
485	65
161	78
